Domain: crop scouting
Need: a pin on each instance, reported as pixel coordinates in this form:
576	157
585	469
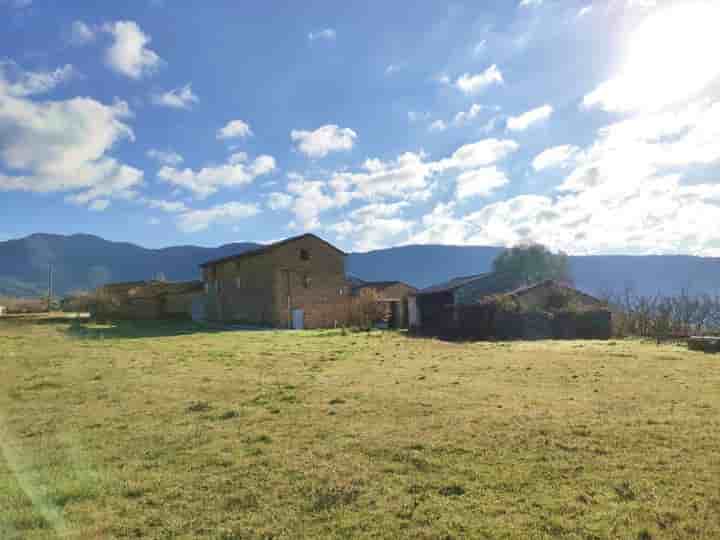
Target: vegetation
663	316
178	431
532	263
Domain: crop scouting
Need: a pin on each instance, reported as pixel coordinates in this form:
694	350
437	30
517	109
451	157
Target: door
298	318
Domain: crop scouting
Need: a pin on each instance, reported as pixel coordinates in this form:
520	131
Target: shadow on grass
138	329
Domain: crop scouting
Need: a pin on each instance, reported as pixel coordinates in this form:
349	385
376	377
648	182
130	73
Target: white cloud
466	116
371	234
644	4
441	226
437	125
405	178
278	200
128	55
166	206
479	47
16	82
557	156
208	180
177	98
414	116
165	157
392	68
530	118
153	221
226	214
480	182
82	34
99	205
311	198
328	34
62	146
322	141
582	12
235	129
480	154
530	3
473	84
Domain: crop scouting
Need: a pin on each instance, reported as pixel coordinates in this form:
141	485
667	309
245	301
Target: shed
147	300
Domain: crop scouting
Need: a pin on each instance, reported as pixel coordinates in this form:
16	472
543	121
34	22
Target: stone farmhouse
295	283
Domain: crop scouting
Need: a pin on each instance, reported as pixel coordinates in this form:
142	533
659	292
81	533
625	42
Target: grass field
172	431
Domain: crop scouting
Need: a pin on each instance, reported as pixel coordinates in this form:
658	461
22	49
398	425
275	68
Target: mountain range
83	261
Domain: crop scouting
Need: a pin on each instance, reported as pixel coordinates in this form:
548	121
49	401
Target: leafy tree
532	263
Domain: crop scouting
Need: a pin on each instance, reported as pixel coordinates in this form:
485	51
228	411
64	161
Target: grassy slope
115	432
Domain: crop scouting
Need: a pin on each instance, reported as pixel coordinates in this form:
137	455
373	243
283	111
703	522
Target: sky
590	127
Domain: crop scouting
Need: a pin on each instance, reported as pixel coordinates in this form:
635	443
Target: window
341	291
305	254
238	282
207	287
307	282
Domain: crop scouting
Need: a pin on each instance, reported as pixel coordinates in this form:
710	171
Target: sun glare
673	54
671	57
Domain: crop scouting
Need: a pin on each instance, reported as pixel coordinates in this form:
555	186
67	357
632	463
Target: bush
24	305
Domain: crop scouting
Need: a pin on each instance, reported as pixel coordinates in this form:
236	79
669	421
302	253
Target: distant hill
84	261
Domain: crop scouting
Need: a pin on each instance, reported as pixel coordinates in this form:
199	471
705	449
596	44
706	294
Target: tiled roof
266	249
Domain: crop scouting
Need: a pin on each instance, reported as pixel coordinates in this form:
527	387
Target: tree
532	263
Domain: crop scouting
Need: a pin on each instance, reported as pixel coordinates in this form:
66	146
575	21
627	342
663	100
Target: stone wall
264	288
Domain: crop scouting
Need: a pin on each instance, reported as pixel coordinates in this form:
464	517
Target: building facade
392	297
296	283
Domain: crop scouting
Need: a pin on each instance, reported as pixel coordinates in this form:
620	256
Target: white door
298	317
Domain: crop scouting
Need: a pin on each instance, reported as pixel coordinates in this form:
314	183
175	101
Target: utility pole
49	286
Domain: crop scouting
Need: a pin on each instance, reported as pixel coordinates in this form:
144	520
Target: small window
207	287
341	291
238	283
305	254
307	282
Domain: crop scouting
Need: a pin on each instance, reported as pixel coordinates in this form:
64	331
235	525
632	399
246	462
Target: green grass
172	431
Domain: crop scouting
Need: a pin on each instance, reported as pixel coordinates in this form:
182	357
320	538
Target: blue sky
592	127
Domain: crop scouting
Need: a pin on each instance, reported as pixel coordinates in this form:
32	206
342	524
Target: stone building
144	300
393	298
295	283
492	306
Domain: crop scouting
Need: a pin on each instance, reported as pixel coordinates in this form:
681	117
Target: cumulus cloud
166	206
193	221
99	205
310	199
208	180
631	191
14	81
480	182
322	141
327	34
529	118
557	156
437	125
82	34
479	154
466	116
530	3
166	157
278	200
235	129
178	98
474	84
62	146
129	55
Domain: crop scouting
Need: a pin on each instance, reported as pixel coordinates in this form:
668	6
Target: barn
491	306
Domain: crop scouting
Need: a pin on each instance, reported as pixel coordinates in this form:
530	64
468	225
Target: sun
671	57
